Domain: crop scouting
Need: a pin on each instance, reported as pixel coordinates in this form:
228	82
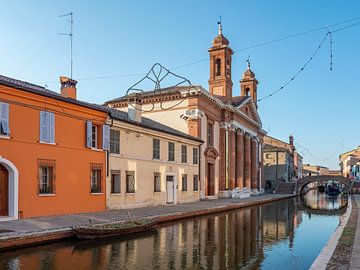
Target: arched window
247	91
218	67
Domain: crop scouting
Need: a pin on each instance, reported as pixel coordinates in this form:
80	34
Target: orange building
52	157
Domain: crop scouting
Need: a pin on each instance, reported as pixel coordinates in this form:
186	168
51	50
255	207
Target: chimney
134	111
291	140
68	87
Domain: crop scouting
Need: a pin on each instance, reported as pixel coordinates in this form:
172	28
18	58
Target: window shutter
4	117
44	134
106	137
51	127
88	133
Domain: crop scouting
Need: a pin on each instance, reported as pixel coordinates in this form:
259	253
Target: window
47	127
195	155
156	149
130	182
115	182
196	183
93	136
210	132
95	177
46	176
183	154
247	91
4	119
218	67
171	151
184	182
114	141
157	182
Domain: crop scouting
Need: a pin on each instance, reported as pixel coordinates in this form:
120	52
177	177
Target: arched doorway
9	193
210	156
4	191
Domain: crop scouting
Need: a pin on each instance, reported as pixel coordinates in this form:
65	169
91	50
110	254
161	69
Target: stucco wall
136	150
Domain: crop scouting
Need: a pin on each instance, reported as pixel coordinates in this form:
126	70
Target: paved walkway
38	225
355	256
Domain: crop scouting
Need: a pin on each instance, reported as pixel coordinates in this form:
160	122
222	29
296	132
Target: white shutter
106	137
44	127
88	133
4	117
51	127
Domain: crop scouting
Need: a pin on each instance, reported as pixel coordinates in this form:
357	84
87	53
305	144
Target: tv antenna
70	35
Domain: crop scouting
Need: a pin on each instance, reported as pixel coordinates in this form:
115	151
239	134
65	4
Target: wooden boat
115	229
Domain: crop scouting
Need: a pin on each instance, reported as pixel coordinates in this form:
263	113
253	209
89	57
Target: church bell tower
220	83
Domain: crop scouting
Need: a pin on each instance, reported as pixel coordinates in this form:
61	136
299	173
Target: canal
288	234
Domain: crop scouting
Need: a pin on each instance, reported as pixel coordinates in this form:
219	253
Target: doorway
4	191
170	189
210	187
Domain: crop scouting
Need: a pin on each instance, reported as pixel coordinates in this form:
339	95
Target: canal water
288	234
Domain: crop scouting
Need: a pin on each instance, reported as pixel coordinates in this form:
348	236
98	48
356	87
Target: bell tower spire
220	83
248	83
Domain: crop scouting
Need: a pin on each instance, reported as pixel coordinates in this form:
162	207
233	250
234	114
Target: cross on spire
248	62
220	25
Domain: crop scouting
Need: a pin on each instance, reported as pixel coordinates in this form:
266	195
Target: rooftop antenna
70	35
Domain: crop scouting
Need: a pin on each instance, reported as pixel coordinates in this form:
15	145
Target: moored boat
114	229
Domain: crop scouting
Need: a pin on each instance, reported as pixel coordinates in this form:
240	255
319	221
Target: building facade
229	125
347	160
52	151
150	163
279	162
314	170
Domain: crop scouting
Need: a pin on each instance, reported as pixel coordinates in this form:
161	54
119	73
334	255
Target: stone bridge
301	183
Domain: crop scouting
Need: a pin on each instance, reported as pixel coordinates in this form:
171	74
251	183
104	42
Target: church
229	126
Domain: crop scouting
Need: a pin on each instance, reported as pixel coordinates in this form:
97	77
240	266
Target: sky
117	41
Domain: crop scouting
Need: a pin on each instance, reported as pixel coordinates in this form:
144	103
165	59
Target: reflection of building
230	125
150	164
347	160
314	170
278	159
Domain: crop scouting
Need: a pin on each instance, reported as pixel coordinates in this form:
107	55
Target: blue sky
117	38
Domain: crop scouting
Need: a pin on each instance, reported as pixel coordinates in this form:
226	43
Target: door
4	190
210	180
170	189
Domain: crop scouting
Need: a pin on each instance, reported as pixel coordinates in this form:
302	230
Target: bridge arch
301	183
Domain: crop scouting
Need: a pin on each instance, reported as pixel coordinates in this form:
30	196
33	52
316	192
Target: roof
150	124
116	114
194	90
40	90
271	148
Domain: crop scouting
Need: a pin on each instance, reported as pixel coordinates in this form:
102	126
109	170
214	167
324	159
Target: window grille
157	182
130	182
95	177
46	176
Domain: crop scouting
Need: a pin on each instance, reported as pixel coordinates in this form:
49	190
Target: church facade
230	126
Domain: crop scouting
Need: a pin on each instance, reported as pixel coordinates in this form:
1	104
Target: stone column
247	163
232	160
239	158
254	164
222	160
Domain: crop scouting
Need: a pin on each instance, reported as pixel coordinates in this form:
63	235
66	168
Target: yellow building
150	163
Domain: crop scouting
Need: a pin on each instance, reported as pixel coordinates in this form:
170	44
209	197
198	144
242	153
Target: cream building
150	163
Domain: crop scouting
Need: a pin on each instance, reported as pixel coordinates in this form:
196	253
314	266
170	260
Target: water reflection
274	236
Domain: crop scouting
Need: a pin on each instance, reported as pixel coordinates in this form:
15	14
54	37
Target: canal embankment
35	231
342	250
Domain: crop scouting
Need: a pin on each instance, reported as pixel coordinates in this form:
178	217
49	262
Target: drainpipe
199	180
